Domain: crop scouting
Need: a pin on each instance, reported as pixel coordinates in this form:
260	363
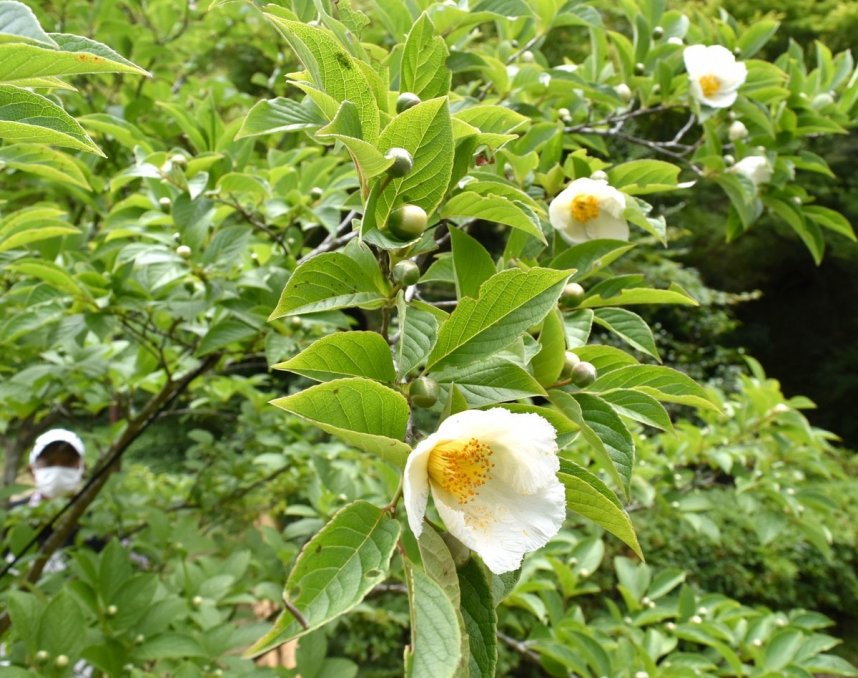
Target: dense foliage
416	214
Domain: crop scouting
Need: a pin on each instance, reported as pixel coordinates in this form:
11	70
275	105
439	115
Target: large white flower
714	73
589	209
754	167
493	476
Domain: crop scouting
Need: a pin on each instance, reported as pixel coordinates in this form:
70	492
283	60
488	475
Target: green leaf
60	625
423	69
548	363
605	358
123	131
436	639
44	162
51	273
828	218
640	407
279	115
19	24
225	332
490	381
170	645
638	177
426	133
603	429
360	411
629	327
334	571
496	208
346	128
344	354
578	325
663	383
641	295
79	55
29	117
754	38
472	263
509	303
22	238
480	619
808	231
590	257
333	70
591	498
330	281
438	563
781	649
418	330
741	193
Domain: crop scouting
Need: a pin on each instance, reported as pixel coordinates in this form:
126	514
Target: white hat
55	435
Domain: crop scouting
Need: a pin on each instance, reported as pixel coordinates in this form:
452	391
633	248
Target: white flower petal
721	99
501	526
415	483
607	227
696	60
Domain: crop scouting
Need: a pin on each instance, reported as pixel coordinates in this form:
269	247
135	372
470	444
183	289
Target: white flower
737	130
754	167
589	209
714	73
493	476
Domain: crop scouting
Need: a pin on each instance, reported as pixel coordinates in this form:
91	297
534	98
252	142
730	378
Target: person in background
56	463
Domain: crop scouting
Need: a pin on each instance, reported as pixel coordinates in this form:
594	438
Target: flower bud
822	100
423	392
61	661
670	626
737	130
795	200
139	639
41	656
696	619
640	69
570	361
571	295
658	33
675	40
564	114
406	272
407	222
316	193
527	56
656	89
729	159
111	610
178	159
583	374
756	642
184	251
599	175
165	202
406	100
196	601
402	162
623	91
641	674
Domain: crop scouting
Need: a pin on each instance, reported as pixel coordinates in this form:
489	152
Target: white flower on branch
754	167
493	477
589	209
714	73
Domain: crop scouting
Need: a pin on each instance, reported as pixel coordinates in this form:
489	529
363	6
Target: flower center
460	467
585	207
709	85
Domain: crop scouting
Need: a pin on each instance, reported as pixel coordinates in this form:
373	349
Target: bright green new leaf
423	69
334	571
52	274
330	281
271	116
631	296
591	498
548	363
509	303
21	238
638	177
78	55
18	24
346	128
360	411
590	257
629	327
344	354
490	381
501	210
332	69
28	117
639	407
663	383
44	162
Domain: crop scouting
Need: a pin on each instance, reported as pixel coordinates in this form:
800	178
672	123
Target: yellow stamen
585	207
709	85
460	467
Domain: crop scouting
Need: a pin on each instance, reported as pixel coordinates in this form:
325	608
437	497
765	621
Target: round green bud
737	51
656	89
296	323
424	392
42	656
658	33
402	162
570	360
178	159
572	295
527	56
316	192
165	202
184	251
406	272
177	236
111	610
139	639
61	661
196	601
407	222
583	374
406	100
128	668
640	69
